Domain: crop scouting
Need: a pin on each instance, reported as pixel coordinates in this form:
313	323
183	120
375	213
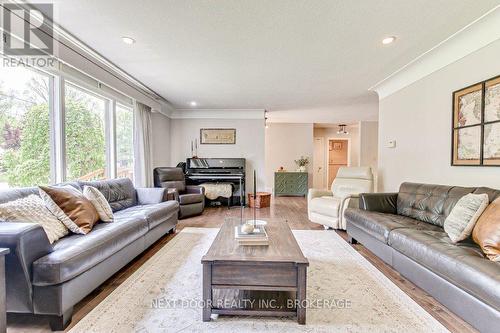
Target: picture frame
476	124
217	136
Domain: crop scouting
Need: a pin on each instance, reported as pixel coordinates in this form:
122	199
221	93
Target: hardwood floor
294	211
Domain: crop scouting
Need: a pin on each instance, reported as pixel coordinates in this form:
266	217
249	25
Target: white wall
368	146
161	140
418	117
285	143
249	143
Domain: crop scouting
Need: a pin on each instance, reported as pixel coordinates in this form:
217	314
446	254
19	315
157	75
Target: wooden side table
3	313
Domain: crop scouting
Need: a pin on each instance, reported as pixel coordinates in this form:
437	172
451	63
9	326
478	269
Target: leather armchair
328	207
191	198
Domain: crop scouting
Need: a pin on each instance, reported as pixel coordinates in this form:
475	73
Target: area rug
345	293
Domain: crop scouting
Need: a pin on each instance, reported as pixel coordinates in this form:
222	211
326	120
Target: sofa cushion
155	214
186	199
462	264
76	254
120	193
379	225
429	203
327	205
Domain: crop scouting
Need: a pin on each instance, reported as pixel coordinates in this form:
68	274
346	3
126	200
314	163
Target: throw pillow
70	207
487	231
100	203
31	209
459	224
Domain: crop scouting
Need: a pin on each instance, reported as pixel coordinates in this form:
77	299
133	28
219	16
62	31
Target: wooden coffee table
255	280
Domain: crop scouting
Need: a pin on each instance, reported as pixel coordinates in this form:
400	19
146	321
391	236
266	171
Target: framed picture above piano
218	136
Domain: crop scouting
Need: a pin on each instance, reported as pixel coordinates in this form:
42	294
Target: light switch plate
391	144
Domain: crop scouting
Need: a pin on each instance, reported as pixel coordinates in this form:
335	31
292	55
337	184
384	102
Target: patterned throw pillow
70	207
460	223
31	209
100	203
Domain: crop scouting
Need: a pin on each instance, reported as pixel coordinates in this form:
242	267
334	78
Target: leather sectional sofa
405	229
49	279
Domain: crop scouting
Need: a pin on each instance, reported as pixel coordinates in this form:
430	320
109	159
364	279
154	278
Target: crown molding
476	35
217	114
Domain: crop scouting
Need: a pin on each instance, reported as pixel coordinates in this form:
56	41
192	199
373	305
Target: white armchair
328	207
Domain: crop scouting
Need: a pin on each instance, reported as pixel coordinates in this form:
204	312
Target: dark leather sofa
405	229
49	279
191	198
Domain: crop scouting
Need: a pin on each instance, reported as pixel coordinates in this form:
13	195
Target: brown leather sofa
405	229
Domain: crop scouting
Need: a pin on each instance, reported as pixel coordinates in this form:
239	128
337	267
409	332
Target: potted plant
302	163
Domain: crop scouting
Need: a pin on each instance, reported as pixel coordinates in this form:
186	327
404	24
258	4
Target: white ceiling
279	55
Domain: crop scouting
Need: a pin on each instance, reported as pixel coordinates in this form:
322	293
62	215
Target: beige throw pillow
460	223
100	203
31	209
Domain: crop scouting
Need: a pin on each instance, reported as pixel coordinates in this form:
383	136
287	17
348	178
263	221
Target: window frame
107	124
52	115
131	108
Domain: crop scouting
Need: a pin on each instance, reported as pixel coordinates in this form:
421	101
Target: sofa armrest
316	193
194	189
27	242
150	195
349	201
379	202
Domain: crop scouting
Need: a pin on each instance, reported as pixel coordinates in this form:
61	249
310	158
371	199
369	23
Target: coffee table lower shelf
231	298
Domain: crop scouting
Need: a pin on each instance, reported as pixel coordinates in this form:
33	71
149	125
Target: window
88	135
25	133
124	142
85	135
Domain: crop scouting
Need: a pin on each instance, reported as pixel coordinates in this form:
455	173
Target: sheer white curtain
143	149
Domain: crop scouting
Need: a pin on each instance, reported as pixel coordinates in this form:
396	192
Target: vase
302	168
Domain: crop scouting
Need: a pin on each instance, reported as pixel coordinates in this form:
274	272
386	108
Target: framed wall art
218	136
476	125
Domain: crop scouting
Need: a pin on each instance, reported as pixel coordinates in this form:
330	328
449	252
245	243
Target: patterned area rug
346	294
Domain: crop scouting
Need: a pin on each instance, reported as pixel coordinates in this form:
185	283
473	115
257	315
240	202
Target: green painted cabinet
290	183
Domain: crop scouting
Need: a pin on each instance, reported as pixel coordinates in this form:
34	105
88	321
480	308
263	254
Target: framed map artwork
476	125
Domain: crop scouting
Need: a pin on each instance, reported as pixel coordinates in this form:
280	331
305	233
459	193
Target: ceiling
278	55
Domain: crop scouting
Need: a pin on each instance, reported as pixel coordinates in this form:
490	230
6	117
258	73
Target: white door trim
327	158
322	152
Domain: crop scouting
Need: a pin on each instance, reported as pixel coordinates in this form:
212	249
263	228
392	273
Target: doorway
319	163
338	156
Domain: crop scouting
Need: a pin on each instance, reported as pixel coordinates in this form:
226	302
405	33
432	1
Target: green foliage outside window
29	164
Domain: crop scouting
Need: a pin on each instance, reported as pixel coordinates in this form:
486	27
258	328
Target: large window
44	139
25	132
124	142
85	135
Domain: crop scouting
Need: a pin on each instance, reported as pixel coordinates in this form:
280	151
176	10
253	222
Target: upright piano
218	170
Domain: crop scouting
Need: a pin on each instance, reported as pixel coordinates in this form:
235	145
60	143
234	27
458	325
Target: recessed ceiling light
388	40
128	40
193	103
